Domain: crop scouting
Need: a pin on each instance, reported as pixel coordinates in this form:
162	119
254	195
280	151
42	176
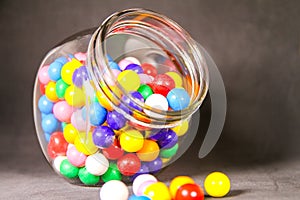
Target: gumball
217	184
62	111
50	91
139	180
156	101
75	157
114	190
124	63
129	80
74	96
84	143
57	145
189	192
97	114
178	99
181	129
70	133
113	65
96	164
133	60
159	89
131	140
158	191
68	170
143	170
164	80
110	94
110	77
177	182
115	120
109	58
113	152
68	70
63	60
43	75
103	136
87	178
145	91
112	173
144	78
149	151
169	153
80	74
155	165
42	88
168	140
129	164
45	105
176	77
47	137
57	162
78	121
54	70
138	97
49	123
60	88
134	67
149	69
134	197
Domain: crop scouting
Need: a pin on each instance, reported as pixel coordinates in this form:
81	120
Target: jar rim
196	65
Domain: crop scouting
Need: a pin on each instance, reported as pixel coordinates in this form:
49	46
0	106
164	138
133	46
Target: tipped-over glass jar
115	102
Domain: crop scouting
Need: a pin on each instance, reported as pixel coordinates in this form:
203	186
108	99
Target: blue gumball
97	114
62	60
49	123
54	71
45	105
114	65
134	197
47	137
178	99
168	139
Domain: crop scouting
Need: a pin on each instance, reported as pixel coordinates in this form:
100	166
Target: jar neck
164	37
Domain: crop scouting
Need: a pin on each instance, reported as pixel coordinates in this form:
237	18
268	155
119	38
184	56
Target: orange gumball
149	151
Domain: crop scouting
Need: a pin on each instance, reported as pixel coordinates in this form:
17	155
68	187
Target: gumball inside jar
115	102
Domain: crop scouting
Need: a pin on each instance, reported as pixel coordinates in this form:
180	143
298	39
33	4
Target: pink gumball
75	157
144	78
43	75
63	111
77	120
123	63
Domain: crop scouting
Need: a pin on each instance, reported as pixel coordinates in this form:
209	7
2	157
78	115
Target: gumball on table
179	181
189	192
134	197
158	191
114	190
217	184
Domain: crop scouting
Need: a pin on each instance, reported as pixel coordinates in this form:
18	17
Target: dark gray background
255	43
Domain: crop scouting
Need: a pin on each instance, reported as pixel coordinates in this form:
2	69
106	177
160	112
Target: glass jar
116	101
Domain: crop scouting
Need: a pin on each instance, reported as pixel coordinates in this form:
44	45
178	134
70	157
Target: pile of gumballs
89	141
146	187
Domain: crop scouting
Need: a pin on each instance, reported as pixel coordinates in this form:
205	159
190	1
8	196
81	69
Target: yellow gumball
74	96
177	182
111	94
70	133
176	77
50	91
129	80
217	184
158	191
84	143
181	129
131	140
68	69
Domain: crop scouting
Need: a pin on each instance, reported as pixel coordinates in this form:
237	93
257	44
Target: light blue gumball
134	197
62	60
97	114
45	105
114	65
54	71
178	99
49	123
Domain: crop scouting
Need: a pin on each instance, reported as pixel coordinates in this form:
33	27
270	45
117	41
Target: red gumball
164	80
113	152
42	88
57	145
149	69
159	89
189	192
129	164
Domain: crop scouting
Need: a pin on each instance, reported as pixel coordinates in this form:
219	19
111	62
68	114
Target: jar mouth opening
174	43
